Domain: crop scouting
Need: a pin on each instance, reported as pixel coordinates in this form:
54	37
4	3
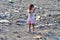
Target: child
31	18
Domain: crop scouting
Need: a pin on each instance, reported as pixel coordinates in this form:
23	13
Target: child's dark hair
31	6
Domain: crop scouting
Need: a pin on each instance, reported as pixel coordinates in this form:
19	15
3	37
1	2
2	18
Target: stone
51	34
49	15
21	22
37	37
4	0
58	0
1	15
15	32
18	36
41	27
1	38
54	27
39	33
8	14
1	31
11	1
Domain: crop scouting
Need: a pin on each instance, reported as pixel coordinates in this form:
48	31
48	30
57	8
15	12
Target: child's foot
33	32
29	32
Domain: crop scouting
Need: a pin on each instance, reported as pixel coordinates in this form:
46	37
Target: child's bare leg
33	27
29	27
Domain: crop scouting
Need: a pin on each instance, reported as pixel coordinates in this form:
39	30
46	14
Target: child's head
31	6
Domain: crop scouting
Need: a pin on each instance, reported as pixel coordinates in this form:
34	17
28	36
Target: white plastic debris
49	24
40	7
37	17
39	25
35	6
4	21
20	8
10	0
16	11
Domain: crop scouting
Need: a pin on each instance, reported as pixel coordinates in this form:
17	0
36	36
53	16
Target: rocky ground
48	26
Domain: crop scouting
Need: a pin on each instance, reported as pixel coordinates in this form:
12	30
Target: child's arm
29	11
34	9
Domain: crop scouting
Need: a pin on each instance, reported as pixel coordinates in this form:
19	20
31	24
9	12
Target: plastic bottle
58	38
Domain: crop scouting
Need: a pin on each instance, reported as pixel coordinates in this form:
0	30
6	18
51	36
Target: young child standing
31	18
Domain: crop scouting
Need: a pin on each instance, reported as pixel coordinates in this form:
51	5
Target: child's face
33	8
